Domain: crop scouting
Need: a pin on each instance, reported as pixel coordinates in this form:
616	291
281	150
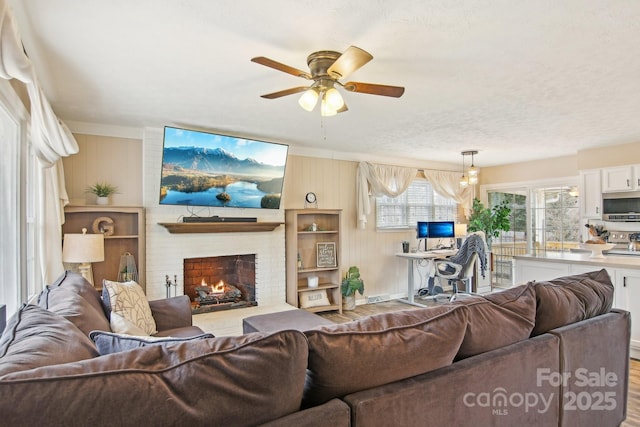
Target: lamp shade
308	99
83	248
460	230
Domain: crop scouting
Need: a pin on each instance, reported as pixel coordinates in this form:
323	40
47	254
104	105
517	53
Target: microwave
622	207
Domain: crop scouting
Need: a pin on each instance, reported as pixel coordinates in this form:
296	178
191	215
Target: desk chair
457	273
459	268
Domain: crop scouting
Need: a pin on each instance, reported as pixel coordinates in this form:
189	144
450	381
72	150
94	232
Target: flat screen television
215	170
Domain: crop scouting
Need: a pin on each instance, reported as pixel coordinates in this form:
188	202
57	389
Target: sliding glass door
512	242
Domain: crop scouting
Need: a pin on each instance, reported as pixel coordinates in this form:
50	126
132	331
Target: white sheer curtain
51	140
378	180
447	184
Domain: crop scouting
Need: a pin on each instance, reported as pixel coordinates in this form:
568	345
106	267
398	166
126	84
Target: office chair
459	268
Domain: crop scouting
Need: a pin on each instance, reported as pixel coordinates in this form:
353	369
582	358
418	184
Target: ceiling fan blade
352	59
285	92
280	67
374	89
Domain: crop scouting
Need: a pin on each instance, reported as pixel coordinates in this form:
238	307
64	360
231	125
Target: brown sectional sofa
494	360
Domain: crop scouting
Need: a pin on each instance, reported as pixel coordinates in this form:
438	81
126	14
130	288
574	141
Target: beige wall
619	155
334	182
624	154
530	171
117	161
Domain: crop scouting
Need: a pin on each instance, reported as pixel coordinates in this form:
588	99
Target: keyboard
441	251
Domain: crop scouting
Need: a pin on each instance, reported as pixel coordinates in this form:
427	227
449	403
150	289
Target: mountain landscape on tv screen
215	177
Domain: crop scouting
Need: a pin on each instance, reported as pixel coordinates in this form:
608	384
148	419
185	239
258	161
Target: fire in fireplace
220	283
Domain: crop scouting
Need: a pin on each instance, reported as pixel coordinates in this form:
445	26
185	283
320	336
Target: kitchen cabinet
124	230
305	230
619	178
536	270
591	194
627	297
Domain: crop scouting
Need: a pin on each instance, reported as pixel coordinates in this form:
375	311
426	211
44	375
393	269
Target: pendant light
472	173
463	179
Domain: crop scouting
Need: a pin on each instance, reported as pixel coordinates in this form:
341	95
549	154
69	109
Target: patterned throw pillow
130	311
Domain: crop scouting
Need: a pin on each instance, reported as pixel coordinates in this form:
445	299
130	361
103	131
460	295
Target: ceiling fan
326	68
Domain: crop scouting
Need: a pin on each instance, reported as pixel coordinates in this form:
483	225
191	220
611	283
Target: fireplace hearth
220	282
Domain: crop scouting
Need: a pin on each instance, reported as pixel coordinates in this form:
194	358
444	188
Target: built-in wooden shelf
219	227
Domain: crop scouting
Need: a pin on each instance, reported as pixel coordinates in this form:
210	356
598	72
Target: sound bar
217	218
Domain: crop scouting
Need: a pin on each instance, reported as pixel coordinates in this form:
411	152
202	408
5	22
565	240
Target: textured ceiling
515	80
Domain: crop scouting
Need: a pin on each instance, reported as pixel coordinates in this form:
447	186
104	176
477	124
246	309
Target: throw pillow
128	302
37	337
82	312
387	347
314	299
570	299
109	342
497	320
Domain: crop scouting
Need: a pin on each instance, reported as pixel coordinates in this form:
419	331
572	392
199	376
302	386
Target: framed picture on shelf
326	254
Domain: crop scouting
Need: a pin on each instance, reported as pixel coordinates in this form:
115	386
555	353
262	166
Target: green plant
490	220
102	189
352	282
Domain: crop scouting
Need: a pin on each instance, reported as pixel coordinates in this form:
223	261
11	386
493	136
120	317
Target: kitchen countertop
583	258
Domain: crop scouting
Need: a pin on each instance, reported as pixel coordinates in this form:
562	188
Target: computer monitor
441	229
435	230
422	230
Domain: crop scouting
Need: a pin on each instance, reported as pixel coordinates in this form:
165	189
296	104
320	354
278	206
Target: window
512	242
18	168
544	217
555	219
418	203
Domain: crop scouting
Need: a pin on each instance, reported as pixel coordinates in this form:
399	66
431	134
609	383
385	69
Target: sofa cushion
75	282
37	337
570	299
67	302
228	381
381	349
130	307
512	312
109	342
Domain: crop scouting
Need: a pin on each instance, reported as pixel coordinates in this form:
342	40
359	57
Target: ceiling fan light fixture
333	99
309	99
326	110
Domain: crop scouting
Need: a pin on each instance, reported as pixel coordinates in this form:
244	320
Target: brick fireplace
220	282
165	252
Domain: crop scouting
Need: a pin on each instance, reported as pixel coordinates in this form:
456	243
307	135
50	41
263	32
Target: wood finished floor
633	401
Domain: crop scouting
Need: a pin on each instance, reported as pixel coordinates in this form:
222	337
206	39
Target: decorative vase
349	303
102	200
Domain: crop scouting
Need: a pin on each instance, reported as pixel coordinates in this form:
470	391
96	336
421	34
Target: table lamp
460	231
83	249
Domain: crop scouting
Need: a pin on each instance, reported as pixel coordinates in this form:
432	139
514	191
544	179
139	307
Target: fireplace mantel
219	227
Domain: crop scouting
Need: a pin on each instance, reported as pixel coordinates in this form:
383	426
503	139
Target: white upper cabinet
590	194
620	178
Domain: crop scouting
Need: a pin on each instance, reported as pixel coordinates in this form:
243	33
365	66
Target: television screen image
422	230
435	229
441	229
209	169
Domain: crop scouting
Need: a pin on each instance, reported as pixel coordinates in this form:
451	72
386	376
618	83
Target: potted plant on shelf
490	220
102	192
351	284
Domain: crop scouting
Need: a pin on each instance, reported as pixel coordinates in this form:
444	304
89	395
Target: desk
411	258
